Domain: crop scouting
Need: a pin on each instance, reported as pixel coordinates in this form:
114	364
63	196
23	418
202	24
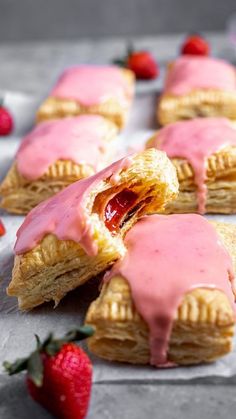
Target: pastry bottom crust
198	103
221	199
203	327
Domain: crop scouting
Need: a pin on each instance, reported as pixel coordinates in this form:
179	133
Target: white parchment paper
17	329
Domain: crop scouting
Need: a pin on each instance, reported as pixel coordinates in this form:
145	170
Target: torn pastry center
118	208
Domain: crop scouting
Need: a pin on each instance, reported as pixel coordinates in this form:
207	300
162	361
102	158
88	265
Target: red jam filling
117	208
2	229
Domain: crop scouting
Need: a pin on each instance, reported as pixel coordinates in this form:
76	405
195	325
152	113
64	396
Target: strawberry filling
2	229
117	208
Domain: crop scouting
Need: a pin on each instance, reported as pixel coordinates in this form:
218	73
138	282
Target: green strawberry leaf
38	343
35	368
16	366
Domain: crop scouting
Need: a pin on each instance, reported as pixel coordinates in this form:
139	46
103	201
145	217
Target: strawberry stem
119	61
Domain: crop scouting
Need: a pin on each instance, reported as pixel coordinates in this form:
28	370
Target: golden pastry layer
112	109
19	195
202	330
54	267
197	103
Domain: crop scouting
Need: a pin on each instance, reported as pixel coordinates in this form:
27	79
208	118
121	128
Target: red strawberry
59	374
142	63
6	121
195	45
2	229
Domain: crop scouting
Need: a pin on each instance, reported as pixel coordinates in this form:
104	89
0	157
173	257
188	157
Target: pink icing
91	85
196	140
189	73
79	139
167	256
65	214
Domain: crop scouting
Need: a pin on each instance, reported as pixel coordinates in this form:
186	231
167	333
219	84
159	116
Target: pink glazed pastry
203	151
53	155
170	300
103	90
198	86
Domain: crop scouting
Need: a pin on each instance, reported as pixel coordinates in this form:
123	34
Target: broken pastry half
78	233
54	155
203	151
198	87
170	300
90	89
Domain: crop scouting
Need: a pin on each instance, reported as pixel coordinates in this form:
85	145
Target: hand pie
102	90
170	300
203	151
77	234
54	155
198	86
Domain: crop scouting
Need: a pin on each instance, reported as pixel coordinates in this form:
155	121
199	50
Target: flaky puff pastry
221	183
54	267
112	109
18	195
198	102
202	331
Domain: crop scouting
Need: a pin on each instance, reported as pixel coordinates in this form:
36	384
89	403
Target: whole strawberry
142	63
195	45
6	121
59	374
2	229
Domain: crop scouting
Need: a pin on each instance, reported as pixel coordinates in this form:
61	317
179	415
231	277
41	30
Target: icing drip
65	214
196	140
92	85
189	73
167	256
79	139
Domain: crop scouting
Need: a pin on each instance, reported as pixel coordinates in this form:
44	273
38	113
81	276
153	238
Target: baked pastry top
53	155
203	151
170	300
78	233
198	86
104	90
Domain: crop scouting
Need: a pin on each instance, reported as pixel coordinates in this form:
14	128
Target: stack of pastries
168	291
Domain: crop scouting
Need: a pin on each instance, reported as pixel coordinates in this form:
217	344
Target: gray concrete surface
71	19
130	401
31	67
